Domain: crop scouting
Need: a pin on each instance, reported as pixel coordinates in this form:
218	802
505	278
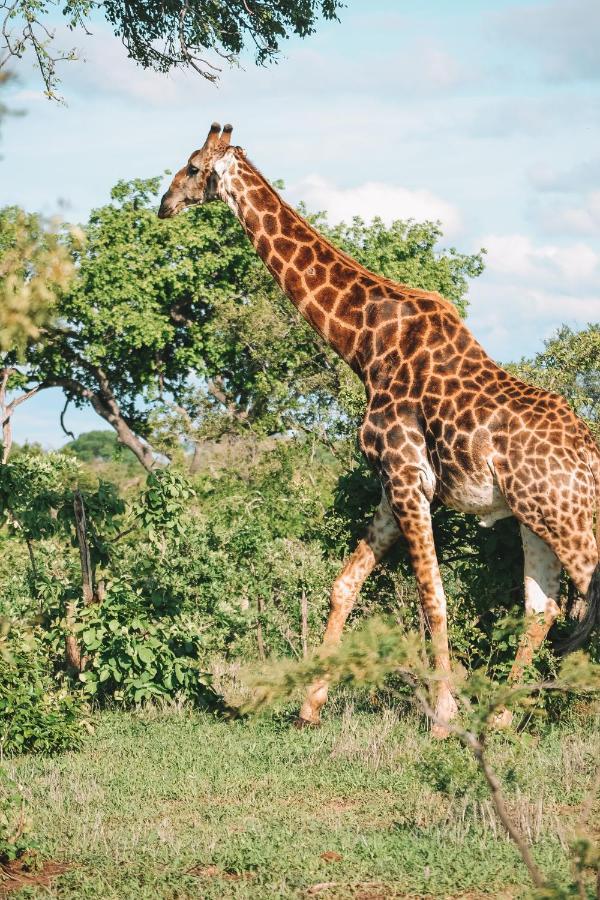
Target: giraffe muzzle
167	208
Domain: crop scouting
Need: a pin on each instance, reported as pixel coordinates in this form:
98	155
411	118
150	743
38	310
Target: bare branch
7	409
62	420
187	55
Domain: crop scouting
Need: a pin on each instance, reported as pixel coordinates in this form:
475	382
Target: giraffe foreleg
542	583
382	534
411	506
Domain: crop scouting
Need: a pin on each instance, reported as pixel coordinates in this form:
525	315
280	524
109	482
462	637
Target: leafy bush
35	715
237	563
15	837
134	655
380	649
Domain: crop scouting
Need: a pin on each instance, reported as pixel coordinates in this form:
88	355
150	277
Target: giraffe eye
192	170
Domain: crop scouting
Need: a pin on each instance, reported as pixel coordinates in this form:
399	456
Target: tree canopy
162	35
34	265
96	446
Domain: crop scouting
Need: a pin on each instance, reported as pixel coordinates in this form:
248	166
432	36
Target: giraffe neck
320	280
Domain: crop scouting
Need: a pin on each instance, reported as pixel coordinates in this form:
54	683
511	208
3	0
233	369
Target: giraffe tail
580	636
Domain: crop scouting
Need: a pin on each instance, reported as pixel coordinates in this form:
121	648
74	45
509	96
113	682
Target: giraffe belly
483	499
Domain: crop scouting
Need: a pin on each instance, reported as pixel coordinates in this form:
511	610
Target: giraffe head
197	181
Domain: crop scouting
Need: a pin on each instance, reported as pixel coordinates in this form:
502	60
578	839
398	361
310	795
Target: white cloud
430	67
104	66
581	176
562	218
512	255
586	219
374	198
512	319
512	116
563	34
529	289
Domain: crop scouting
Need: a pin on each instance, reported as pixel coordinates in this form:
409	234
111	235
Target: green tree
92	446
34	267
133	325
163	35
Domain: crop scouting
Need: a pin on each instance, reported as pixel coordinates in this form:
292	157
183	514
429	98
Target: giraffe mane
240	154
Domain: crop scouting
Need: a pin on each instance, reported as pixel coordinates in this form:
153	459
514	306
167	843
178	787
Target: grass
251	807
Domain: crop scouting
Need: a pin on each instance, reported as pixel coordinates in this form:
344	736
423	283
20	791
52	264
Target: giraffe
443	421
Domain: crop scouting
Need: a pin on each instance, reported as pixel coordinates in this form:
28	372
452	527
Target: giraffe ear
226	135
213	135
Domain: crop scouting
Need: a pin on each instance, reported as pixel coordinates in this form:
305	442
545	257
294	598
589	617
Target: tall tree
34	267
163	35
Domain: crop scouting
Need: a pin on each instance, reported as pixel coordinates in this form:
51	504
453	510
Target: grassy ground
180	805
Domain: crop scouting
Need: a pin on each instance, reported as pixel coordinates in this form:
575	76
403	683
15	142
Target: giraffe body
443	420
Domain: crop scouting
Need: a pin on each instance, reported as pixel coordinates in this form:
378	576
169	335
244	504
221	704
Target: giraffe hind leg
381	535
542	581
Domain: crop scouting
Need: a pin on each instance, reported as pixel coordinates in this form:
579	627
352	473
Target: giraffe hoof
301	723
439	732
445	710
502	720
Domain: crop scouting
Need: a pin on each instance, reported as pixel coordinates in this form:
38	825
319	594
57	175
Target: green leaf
146	655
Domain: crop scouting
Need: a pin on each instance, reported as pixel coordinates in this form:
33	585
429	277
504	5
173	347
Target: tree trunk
5	414
304	623
105	404
196	458
126	436
84	549
259	630
73	652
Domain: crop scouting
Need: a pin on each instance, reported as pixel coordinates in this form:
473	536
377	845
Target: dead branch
84	549
62	420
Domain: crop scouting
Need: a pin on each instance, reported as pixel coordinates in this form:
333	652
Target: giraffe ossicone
443	420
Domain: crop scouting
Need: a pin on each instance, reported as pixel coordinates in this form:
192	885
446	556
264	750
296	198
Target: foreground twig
476	744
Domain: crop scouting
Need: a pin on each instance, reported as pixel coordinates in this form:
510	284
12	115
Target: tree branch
477	747
62	420
105	404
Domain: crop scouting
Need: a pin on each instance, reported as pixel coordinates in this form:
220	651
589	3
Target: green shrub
35	715
134	654
15	837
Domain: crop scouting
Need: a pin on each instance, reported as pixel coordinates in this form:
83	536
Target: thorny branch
476	744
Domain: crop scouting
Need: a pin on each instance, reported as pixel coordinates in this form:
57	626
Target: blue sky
486	116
